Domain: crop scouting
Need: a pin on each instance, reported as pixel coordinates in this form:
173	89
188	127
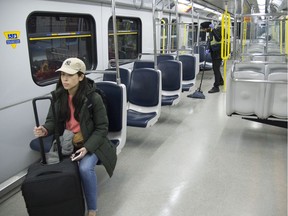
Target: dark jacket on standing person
93	124
214	43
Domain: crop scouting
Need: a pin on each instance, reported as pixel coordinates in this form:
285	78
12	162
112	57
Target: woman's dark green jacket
93	124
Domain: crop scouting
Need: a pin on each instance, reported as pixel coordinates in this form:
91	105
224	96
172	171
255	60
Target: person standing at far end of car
214	48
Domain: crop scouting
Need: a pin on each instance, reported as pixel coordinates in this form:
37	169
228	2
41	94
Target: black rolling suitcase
54	189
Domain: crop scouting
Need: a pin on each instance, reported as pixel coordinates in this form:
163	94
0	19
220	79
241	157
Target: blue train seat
117	115
144	97
124	76
275	102
143	64
117	112
164	57
171	71
188	71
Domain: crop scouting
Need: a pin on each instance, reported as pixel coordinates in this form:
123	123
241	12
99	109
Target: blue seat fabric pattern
188	66
114	104
137	119
164	57
143	91
170	75
124	76
168	100
144	87
143	64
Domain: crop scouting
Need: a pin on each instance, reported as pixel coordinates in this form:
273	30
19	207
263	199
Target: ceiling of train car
260	6
218	5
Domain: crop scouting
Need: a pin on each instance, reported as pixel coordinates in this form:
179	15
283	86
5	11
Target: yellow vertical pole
286	36
281	36
184	41
163	35
225	41
172	39
273	32
244	36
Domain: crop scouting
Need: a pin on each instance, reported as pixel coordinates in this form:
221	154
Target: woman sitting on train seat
71	105
214	47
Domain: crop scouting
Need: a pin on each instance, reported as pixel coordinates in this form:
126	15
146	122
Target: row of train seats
258	89
148	88
168	65
271	53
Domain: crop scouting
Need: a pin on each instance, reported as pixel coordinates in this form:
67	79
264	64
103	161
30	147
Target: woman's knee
88	163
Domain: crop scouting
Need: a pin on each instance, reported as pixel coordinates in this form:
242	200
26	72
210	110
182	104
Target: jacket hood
91	86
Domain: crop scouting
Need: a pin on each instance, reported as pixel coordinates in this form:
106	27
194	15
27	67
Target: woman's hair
77	100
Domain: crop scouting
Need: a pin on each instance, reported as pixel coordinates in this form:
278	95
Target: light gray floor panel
195	161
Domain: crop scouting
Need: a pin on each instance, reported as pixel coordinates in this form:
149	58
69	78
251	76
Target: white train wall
16	85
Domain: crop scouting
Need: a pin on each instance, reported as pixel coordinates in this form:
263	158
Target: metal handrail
118	79
101	72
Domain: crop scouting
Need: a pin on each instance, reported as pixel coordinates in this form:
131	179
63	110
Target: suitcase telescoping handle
38	124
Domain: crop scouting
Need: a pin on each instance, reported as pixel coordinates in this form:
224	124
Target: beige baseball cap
72	66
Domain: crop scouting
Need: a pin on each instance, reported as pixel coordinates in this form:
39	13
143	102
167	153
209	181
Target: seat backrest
277	68
188	66
143	64
145	84
171	75
258	68
246	98
276	92
124	76
144	97
164	57
255	50
114	104
116	110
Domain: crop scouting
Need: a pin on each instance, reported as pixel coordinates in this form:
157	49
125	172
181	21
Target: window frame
58	36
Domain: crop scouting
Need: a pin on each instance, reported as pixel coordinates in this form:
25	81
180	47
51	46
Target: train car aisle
194	161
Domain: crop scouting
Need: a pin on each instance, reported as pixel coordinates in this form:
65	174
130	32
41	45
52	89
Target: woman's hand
83	151
40	131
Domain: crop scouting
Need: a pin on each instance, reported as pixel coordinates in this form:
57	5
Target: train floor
195	161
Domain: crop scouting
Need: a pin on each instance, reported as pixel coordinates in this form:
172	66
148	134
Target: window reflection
54	37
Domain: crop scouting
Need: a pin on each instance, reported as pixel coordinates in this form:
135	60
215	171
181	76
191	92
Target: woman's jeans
89	179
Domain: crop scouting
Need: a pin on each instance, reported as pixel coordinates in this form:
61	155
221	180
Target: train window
53	37
168	40
129	38
190	32
164	35
174	38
